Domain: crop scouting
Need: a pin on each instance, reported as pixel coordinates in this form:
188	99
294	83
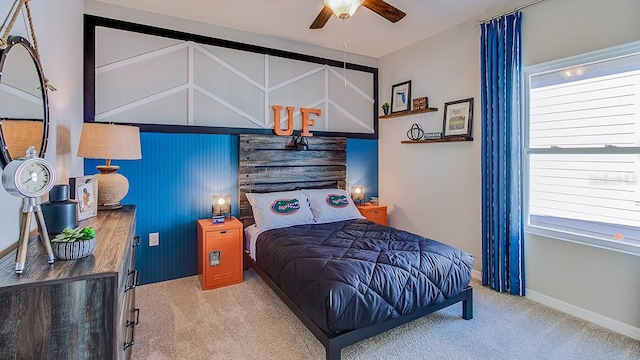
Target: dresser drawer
72	309
127	315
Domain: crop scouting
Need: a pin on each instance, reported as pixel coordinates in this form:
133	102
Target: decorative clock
30	177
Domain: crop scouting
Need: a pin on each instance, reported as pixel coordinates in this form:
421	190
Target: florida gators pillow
280	209
330	205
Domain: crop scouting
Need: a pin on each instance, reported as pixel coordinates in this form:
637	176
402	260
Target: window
582	155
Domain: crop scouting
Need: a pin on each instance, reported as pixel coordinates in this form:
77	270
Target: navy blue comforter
350	274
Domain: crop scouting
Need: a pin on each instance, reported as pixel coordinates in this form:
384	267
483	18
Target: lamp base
112	187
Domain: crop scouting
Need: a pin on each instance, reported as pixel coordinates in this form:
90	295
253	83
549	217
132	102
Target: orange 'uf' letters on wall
306	122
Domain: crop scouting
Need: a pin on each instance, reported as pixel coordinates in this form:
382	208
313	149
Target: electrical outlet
154	239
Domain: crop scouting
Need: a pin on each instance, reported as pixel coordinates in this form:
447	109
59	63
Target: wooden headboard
269	163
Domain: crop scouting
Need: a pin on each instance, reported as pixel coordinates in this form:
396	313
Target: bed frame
269	163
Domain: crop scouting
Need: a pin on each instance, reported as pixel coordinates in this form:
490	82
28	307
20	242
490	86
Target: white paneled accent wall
150	79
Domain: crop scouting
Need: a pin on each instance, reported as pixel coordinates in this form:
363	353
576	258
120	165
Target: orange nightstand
219	253
375	213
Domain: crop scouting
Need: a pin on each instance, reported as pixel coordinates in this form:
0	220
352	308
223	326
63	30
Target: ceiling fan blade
384	9
322	18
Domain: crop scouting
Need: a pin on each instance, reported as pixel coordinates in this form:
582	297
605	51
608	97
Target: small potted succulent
385	108
73	244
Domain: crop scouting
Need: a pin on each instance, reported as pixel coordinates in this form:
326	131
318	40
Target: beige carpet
248	321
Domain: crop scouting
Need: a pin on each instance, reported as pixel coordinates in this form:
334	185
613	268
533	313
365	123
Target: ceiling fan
345	8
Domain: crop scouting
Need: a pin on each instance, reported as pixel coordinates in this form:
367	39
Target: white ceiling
365	33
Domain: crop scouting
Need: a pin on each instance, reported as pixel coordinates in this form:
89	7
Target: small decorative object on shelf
420	103
432	135
74	244
415	132
375	201
385	108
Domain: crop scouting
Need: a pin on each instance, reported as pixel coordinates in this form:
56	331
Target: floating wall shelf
407	113
447	139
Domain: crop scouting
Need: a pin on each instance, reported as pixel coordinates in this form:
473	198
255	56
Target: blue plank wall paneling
172	187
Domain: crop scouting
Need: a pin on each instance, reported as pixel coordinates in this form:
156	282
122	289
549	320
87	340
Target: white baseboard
611	324
475	274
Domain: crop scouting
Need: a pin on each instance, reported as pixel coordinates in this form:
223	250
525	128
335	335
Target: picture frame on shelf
84	189
458	118
401	97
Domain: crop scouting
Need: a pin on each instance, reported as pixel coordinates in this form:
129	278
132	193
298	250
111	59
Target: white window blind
583	152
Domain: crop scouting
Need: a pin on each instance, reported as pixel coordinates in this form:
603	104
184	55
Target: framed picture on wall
458	116
401	97
84	189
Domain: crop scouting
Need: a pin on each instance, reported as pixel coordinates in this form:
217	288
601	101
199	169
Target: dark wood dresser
78	309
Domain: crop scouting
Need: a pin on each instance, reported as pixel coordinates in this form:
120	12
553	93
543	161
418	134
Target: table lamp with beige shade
110	142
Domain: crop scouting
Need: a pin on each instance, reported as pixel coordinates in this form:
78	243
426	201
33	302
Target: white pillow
330	205
280	209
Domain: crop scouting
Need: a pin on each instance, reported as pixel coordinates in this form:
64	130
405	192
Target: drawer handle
223	231
136	241
133	335
136	311
375	212
132	325
136	280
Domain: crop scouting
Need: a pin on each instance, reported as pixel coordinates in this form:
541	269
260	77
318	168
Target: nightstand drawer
220	235
377	216
375	213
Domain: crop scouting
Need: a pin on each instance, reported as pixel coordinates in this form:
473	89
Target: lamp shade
221	204
343	9
109	141
357	192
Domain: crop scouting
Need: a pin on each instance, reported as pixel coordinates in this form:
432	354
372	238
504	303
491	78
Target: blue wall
362	165
172	187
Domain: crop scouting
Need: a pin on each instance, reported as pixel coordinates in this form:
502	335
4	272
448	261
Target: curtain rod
510	12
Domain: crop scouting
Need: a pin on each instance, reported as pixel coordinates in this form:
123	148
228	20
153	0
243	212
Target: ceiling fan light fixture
343	9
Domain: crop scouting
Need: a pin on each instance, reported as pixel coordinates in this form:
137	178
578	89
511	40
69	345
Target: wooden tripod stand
29	207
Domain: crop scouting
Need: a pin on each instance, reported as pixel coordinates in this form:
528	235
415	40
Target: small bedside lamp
110	141
220	206
357	193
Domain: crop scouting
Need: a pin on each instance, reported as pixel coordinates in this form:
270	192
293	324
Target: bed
346	279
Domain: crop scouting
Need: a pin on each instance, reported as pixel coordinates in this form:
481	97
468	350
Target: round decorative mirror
24	110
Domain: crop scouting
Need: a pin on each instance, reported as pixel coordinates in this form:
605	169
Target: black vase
60	212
